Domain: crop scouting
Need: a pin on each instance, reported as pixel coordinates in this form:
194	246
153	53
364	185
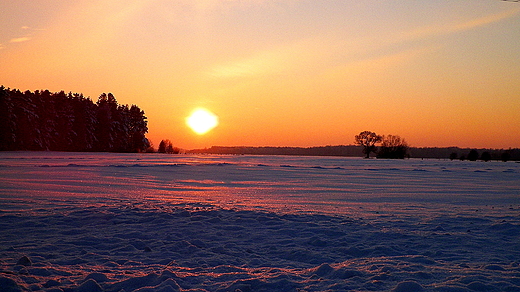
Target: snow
151	222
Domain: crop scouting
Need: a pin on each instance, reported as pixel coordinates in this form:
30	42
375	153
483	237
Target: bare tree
393	146
368	140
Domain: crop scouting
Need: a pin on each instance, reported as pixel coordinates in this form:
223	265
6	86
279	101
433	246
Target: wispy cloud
28	32
25	27
19	40
483	21
281	59
447	29
377	64
255	65
209	5
414	36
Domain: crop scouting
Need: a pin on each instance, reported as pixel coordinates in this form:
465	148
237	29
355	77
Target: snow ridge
195	247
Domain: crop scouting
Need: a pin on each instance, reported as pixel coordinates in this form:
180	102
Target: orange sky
281	73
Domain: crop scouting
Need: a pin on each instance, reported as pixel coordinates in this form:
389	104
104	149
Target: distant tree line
487	155
342	150
43	120
393	146
353	151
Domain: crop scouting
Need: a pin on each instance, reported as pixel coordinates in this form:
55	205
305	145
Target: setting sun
202	121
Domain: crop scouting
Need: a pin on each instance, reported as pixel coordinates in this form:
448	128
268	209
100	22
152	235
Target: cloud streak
378	63
441	30
286	58
211	4
407	53
19	40
28	35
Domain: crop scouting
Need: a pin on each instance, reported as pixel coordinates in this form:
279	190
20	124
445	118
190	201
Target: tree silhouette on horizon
368	140
473	155
393	146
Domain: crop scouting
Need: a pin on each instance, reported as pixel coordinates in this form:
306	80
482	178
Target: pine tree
69	122
7	120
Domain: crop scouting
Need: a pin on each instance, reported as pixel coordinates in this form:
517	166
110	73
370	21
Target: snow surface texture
126	222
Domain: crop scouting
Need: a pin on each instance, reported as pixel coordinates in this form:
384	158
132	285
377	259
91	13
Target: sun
202	121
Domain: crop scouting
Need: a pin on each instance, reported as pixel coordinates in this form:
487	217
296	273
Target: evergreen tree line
43	120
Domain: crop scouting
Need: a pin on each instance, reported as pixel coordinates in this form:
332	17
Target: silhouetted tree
166	146
26	119
7	120
162	146
47	135
393	146
169	148
85	123
137	128
453	155
150	148
505	156
368	140
105	128
473	155
64	120
486	156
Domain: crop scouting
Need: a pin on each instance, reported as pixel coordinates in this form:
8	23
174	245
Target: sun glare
202	121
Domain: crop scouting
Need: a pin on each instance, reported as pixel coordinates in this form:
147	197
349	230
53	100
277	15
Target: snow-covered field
150	222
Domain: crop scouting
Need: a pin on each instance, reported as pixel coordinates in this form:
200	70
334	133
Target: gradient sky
281	72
